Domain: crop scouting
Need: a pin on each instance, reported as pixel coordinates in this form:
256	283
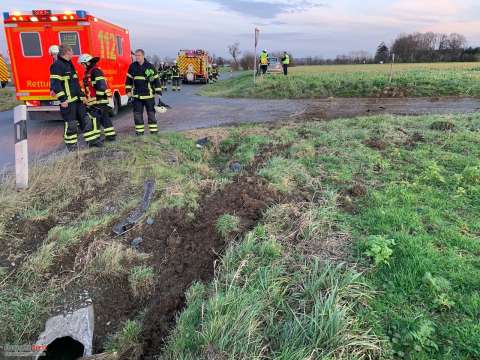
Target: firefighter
97	91
285	63
162	73
215	73
142	83
176	81
170	73
264	62
66	87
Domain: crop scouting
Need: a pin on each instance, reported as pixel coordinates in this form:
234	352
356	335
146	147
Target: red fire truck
30	36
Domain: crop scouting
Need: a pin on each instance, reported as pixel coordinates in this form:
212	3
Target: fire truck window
71	38
119	45
31	44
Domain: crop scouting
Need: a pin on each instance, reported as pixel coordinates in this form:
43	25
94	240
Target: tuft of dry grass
142	281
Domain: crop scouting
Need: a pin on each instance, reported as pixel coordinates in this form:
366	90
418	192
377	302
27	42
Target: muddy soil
183	250
24	236
334	108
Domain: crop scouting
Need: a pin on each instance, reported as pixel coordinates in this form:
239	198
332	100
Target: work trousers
76	118
176	83
102	113
285	69
138	106
264	69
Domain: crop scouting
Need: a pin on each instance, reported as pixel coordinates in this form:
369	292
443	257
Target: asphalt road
189	111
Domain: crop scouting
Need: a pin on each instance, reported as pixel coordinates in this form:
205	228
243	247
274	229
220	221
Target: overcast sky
304	27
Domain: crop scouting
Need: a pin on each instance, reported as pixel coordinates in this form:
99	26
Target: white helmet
86	58
264	50
53	50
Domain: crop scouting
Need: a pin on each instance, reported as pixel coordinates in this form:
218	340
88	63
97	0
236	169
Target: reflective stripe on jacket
143	80
96	87
64	81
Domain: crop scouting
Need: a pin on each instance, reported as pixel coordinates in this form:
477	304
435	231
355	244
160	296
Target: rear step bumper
47	108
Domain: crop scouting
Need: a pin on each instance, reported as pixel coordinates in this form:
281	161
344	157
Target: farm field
7	99
408	80
348	239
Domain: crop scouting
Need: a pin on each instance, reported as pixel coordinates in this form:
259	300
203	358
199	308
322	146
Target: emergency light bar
44	15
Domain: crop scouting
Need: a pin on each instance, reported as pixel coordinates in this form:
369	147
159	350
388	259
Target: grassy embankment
372	248
440	79
7	99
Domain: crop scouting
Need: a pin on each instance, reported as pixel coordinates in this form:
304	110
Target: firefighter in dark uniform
176	81
143	83
215	73
162	72
66	87
97	91
169	73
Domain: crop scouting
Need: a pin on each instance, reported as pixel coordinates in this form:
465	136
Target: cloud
265	9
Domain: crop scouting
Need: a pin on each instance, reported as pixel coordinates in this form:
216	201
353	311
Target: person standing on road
264	62
66	87
176	81
143	84
285	63
97	92
162	72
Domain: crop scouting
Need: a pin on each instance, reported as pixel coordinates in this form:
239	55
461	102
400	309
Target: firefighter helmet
53	50
86	58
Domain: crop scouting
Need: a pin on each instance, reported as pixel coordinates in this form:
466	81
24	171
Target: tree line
428	47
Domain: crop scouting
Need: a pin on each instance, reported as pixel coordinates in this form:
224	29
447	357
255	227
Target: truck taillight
33	103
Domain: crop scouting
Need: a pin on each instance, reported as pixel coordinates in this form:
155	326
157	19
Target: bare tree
247	60
235	52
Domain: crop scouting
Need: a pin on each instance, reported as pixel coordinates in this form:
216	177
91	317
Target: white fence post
21	146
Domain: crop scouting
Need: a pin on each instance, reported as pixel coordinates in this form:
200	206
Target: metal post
21	146
391	68
257	34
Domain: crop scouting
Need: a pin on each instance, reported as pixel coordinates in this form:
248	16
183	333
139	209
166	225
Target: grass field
7	99
438	79
370	249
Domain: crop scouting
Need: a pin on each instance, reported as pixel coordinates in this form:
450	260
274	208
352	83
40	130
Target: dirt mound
376	143
183	248
185	251
347	197
442	126
393	92
26	235
412	141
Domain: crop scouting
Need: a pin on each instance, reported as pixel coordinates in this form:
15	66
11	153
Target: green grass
142	280
259	307
7	99
356	81
108	184
127	340
227	224
367	253
414	231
